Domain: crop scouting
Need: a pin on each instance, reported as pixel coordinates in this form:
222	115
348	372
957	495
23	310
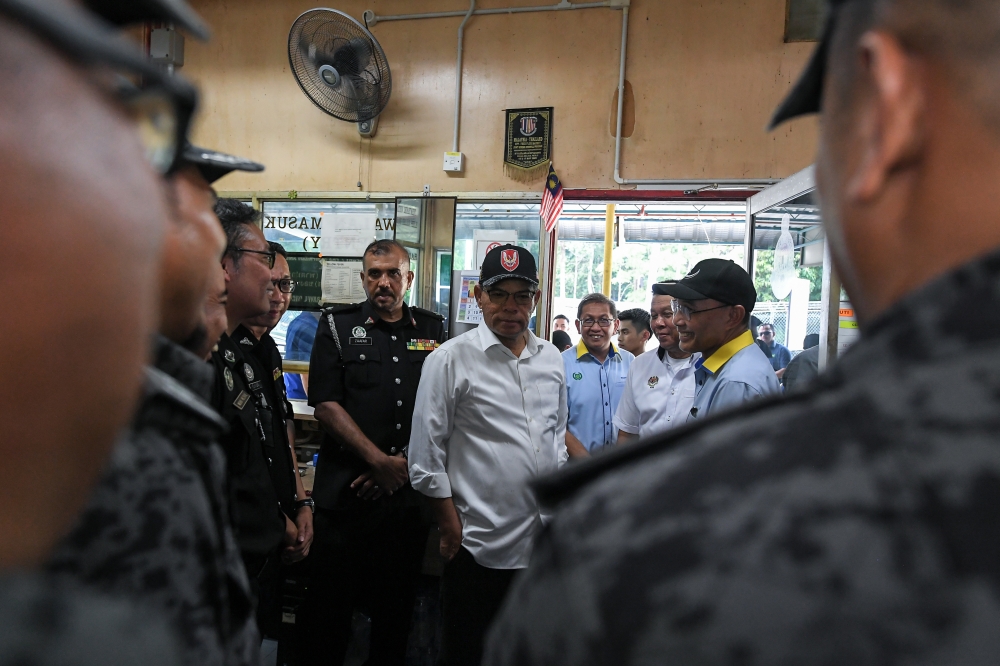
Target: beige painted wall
706	75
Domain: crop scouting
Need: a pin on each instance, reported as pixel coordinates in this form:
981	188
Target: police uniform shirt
260	523
268	387
374	376
658	395
855	522
735	374
593	390
156	527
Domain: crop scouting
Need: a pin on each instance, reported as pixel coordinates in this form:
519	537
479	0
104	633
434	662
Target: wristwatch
309	502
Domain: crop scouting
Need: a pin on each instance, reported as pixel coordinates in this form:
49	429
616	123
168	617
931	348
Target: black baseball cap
213	165
719	279
506	262
806	96
127	12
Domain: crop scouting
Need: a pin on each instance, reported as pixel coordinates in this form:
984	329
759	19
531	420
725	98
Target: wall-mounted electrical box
166	47
454	162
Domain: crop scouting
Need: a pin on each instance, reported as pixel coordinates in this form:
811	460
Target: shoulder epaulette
427	313
340	309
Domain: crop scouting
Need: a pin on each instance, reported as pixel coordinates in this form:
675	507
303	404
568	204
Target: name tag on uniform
255	386
362	341
422	345
241	399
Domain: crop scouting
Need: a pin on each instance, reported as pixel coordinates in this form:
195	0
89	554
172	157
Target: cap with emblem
806	96
126	12
719	279
213	165
508	262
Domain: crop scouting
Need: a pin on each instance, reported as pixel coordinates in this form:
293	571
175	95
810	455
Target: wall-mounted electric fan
340	67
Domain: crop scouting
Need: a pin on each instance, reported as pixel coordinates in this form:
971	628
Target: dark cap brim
499	278
677	290
807	96
213	165
127	12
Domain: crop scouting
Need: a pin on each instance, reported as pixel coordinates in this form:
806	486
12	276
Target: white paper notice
342	281
346	235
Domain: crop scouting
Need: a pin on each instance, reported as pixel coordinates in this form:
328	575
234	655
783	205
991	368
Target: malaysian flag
552	200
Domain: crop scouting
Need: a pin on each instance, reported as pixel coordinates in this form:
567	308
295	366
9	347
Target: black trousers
471	595
368	559
264	573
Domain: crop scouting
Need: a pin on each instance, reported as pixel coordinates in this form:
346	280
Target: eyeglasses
686	312
161	110
603	322
521	298
285	285
270	255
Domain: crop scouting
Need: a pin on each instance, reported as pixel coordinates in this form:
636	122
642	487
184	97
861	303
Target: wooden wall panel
706	75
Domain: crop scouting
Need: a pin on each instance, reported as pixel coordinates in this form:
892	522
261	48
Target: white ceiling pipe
564	5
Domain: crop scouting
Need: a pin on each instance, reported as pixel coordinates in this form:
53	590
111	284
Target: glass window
297	226
654	242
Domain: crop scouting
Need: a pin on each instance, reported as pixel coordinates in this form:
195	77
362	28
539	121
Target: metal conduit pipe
715	183
458	75
562	6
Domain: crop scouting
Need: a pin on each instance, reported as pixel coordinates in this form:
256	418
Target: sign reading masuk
527	147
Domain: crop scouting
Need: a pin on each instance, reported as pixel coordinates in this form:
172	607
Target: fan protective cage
330	37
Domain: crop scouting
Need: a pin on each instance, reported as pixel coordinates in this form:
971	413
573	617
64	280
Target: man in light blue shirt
596	374
712	306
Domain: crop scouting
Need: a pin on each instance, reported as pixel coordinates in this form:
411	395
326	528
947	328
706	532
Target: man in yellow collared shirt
712	307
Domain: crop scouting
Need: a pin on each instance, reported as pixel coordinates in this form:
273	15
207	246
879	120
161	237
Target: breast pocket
362	366
548	402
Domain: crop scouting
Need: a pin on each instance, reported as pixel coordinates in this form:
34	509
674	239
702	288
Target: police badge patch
277	373
248	371
653	381
359	332
577	376
229	356
228	376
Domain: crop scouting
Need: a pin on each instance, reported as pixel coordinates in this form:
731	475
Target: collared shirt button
362	357
395	359
399	403
393	450
398	380
394	338
399	426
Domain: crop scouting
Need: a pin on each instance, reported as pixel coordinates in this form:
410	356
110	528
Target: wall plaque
527	147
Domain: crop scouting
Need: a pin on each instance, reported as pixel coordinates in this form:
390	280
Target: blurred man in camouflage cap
858	522
84	154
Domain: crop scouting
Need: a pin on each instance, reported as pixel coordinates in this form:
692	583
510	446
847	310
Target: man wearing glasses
712	307
776	353
370	535
596	372
660	389
262	355
490	418
73	137
262	473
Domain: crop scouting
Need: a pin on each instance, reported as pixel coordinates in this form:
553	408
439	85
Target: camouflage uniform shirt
857	522
157	528
46	624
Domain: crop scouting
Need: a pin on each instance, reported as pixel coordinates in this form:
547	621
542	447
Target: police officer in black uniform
261	353
370	535
260	463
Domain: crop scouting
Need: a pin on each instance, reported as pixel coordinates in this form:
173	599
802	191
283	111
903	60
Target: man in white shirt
660	389
490	417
